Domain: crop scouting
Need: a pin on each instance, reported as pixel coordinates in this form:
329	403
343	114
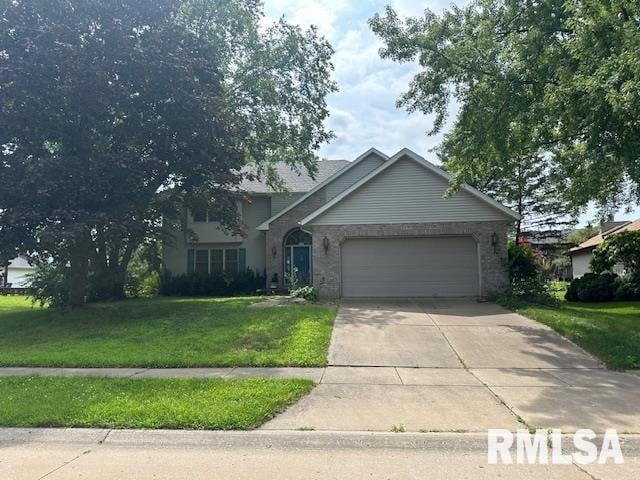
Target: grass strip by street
164	333
610	331
213	404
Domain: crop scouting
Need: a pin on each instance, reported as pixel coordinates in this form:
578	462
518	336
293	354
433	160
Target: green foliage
212	285
592	287
49	285
621	248
548	91
526	272
150	285
292	279
143	271
576	237
307	292
277	77
628	287
187	403
152	105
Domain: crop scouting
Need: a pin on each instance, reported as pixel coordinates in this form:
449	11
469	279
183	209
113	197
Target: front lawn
34	401
164	332
610	331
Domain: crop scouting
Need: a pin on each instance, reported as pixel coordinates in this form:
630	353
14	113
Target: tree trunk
79	273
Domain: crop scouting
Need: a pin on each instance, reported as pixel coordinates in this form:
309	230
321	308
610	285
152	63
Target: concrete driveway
458	365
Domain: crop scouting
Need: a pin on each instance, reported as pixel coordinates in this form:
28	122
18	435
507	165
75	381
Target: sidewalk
107	454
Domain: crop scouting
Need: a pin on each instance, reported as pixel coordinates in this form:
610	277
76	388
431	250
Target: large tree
548	90
115	112
276	77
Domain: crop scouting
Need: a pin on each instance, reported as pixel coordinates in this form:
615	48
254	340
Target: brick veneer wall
281	226
493	268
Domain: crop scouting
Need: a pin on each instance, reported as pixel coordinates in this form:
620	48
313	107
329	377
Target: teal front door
298	257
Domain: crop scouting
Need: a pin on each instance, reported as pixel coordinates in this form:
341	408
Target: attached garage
410	267
400	232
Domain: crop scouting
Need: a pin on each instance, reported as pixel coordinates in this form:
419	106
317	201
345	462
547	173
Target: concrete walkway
458	365
69	454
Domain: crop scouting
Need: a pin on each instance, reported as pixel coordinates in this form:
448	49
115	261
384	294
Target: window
298	237
231	260
217	260
202	261
200	215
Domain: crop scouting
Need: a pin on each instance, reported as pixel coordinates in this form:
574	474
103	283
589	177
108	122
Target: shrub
150	285
308	293
621	248
593	287
49	285
211	285
143	278
526	272
628	287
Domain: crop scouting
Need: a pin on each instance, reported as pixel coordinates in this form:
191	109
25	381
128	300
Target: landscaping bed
216	404
164	332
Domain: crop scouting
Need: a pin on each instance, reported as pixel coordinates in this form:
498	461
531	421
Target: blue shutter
242	259
190	260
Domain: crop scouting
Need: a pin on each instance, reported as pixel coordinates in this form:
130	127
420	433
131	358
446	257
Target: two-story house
377	226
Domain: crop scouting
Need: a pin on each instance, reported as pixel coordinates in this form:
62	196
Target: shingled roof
297	181
599	238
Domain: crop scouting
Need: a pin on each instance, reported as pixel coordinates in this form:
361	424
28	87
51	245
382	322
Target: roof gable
600	237
407	189
351	166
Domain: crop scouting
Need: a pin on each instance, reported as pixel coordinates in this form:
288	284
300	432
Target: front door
297	257
302	262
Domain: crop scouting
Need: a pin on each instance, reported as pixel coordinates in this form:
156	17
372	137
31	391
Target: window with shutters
231	260
202	261
216	260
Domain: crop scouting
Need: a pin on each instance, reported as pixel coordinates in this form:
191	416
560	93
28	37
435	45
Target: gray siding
280	201
362	169
407	193
254	212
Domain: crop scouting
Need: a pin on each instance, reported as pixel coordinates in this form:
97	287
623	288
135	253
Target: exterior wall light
274	251
494	242
325	244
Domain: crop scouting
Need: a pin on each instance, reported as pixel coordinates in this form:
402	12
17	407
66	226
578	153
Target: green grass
34	401
164	332
610	331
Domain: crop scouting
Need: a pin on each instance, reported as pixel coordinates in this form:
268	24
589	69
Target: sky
363	113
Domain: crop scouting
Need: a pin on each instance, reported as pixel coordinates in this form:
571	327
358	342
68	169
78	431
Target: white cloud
363	112
322	14
415	8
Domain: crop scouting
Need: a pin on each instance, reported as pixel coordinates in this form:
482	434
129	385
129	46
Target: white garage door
410	267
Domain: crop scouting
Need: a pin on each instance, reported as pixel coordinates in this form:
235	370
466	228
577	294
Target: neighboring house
582	254
376	227
15	273
552	246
